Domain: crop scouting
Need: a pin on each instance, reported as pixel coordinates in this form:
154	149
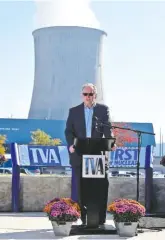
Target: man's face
88	96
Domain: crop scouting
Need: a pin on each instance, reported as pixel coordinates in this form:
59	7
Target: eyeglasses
88	94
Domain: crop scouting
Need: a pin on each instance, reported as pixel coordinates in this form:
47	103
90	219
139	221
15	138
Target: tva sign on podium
93	166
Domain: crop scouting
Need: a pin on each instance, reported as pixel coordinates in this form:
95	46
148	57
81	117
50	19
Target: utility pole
160	150
162	147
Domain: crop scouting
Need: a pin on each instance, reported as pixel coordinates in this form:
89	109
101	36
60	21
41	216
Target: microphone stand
138	132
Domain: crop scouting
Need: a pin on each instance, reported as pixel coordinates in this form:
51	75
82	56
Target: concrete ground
37	226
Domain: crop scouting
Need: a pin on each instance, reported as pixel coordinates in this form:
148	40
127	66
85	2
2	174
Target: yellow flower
57	141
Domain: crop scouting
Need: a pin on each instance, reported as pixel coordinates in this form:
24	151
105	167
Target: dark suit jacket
76	128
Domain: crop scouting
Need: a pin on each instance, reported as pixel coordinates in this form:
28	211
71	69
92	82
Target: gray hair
91	85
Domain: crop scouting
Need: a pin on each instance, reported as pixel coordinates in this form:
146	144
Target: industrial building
65	59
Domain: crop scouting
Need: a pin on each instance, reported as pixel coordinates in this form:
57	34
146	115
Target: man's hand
114	147
162	162
71	149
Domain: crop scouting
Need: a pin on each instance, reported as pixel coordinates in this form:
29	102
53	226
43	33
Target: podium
94	180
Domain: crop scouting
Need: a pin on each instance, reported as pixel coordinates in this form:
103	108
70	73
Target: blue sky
134	59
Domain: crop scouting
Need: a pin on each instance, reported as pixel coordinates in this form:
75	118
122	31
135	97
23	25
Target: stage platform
37	226
107	229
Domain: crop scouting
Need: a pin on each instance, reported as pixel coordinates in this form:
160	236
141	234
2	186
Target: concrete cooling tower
65	59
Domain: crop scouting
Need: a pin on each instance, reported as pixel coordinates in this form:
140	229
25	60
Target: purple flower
119	205
55	213
60	206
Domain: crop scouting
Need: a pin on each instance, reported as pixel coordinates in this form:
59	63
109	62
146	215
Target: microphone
97	122
95	118
74	143
100	123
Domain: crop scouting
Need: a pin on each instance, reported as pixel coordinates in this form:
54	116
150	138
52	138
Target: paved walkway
37	226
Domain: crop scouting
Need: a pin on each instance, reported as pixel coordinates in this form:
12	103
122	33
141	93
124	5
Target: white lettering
47	157
53	156
44	156
34	154
41	153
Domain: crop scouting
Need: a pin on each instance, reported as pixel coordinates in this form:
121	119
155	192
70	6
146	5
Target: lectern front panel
93	166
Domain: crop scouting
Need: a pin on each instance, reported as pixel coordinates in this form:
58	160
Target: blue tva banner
43	155
127	157
58	156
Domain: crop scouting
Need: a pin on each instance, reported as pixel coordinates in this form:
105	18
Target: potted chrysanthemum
62	212
126	215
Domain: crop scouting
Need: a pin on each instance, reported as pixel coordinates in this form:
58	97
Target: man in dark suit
81	123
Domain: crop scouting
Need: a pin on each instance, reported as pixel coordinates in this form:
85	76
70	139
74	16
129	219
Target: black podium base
85	230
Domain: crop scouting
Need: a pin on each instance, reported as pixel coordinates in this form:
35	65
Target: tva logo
47	156
94	165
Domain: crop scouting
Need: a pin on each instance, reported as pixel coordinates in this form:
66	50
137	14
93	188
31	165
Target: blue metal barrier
148	179
28	155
